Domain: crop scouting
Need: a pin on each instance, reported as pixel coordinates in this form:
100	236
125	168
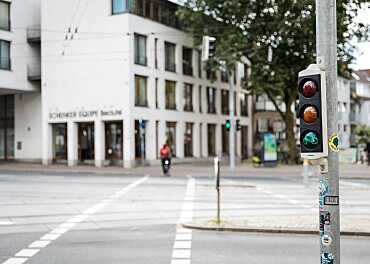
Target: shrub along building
118	80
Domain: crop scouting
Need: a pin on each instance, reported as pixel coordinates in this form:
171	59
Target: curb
267	230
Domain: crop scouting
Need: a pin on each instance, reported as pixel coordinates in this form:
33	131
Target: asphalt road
111	219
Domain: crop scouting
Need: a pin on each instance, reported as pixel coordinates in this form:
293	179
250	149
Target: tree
284	29
363	134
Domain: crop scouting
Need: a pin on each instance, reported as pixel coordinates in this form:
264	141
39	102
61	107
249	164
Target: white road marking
63	228
15	261
27	252
181	253
39	244
279	196
6	223
293	201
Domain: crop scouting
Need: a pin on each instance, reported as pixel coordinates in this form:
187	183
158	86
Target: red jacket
165	152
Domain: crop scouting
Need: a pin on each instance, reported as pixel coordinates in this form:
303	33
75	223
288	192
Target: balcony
34	71
34	34
187	70
264	106
354	118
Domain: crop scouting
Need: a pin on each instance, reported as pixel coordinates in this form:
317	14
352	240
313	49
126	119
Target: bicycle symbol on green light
310	140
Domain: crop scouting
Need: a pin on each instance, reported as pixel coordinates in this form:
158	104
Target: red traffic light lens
310	114
309	89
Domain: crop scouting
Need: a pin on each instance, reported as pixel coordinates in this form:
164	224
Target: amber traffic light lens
309	89
310	114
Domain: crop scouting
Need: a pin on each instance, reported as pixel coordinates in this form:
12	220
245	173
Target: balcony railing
4	24
5	63
170	67
141	102
34	71
188	108
34	34
354	118
141	60
187	70
265	106
170	106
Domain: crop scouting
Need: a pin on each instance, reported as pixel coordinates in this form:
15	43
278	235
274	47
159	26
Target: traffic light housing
208	48
312	113
227	125
238	126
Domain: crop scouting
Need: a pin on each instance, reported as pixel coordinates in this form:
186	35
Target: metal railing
170	67
354	117
187	70
4	24
5	63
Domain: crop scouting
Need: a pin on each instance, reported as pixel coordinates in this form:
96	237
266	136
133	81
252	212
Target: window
211	133
200	98
140	49
170	95
224	77
4	55
211	100
156	53
188	97
140	91
187	61
243	104
188	139
60	141
169	55
225	102
7	127
140	141
171	136
118	6
156	93
199	65
4	15
211	75
113	140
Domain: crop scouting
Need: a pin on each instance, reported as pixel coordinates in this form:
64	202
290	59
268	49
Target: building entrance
86	142
113	140
60	142
7	127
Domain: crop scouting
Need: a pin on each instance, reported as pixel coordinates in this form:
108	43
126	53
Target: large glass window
211	139
211	100
140	49
188	97
243	104
225	102
86	143
119	6
187	61
4	55
140	140
60	141
4	15
169	56
200	98
170	95
171	136
141	91
7	127
188	139
113	140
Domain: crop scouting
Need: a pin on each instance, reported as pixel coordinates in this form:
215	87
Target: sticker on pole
327	258
331	200
326	240
323	188
334	142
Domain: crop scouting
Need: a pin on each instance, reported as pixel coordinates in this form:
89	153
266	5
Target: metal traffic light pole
326	47
232	121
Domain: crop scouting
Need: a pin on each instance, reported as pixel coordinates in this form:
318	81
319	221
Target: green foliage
285	27
363	134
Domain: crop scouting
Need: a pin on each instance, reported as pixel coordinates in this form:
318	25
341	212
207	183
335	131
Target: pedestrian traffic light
312	113
238	127
227	125
208	48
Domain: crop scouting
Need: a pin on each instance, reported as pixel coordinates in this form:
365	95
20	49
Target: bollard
217	184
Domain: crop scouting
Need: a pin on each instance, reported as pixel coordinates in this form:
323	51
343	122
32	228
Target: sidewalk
193	169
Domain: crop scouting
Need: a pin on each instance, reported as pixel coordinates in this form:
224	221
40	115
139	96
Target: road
125	219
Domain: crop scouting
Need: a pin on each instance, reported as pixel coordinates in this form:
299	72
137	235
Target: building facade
118	80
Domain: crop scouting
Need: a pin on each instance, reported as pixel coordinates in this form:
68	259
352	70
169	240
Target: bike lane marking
181	253
25	254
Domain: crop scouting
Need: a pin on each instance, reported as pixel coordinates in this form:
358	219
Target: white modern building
118	80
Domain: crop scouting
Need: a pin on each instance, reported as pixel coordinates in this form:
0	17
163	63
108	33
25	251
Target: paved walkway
296	224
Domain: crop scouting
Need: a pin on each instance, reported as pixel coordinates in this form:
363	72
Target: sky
363	61
363	58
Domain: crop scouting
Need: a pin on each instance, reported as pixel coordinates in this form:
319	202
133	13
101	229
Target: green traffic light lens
310	140
228	125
